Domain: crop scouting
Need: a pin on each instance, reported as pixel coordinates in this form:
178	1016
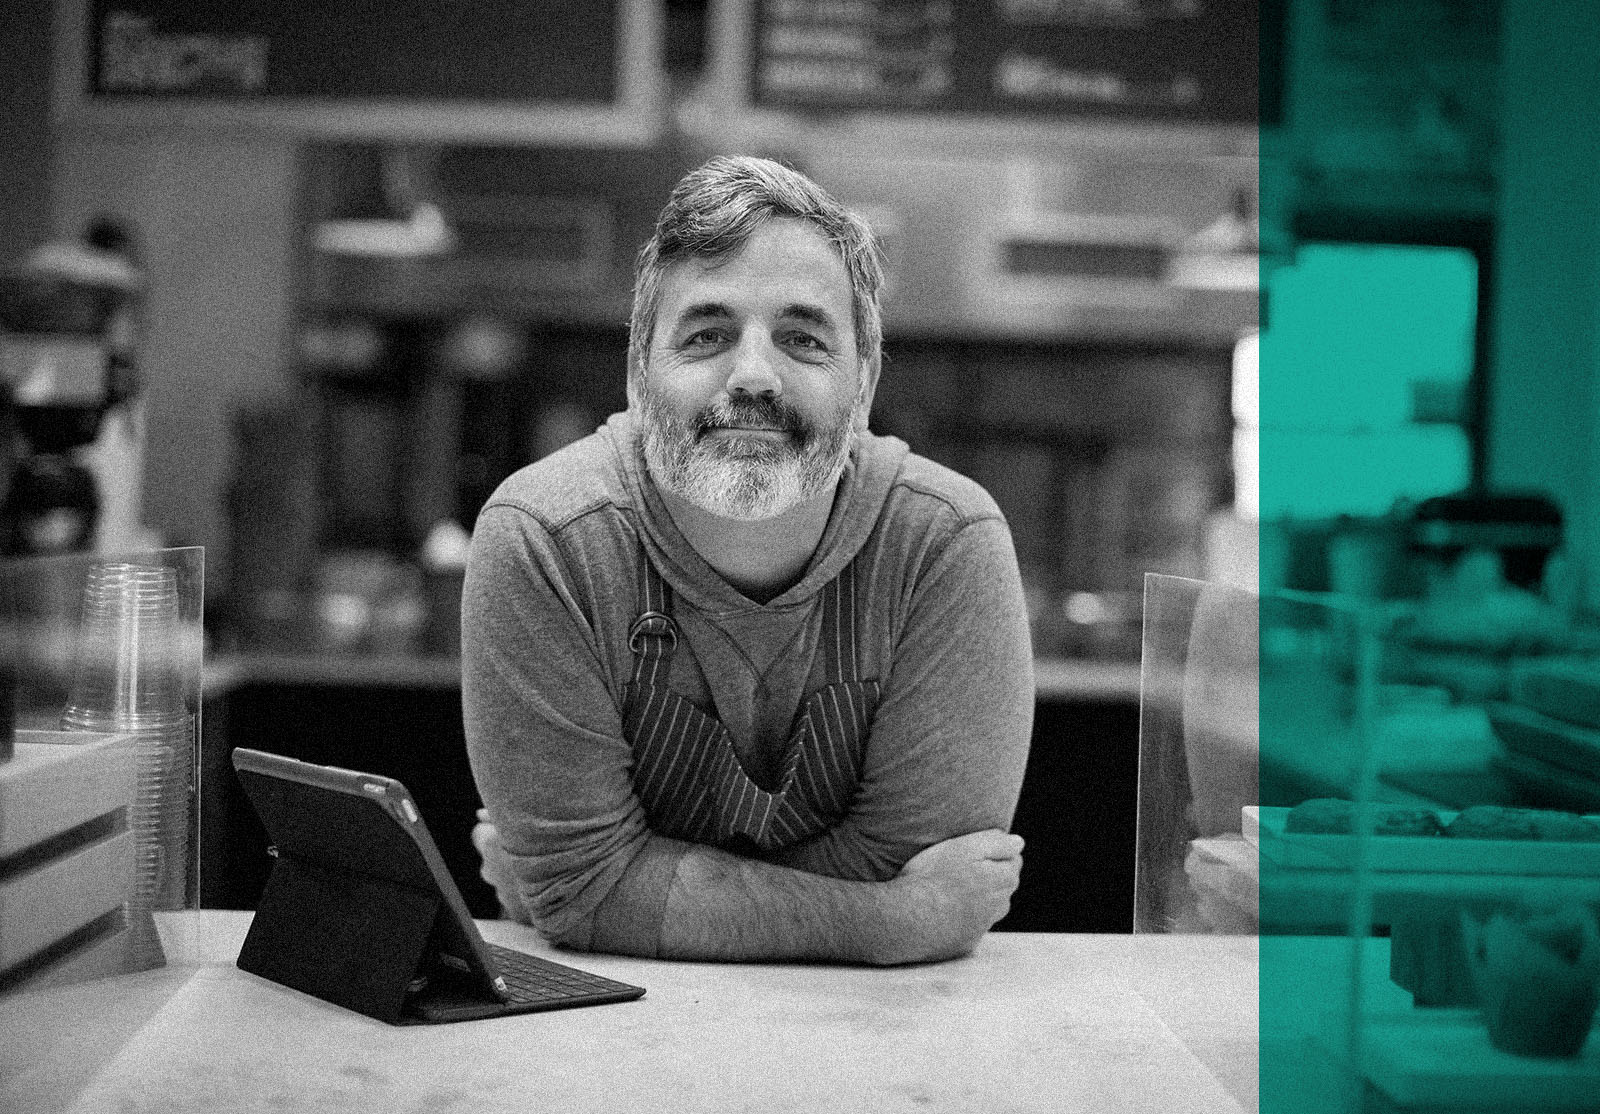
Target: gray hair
713	211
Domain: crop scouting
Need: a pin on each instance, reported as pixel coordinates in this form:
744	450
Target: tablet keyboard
532	979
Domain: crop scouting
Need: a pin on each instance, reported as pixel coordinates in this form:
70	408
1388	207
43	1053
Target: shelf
1055	678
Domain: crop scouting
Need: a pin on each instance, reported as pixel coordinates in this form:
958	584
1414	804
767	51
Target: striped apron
685	769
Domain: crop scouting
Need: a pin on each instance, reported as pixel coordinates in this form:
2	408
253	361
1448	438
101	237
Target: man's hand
495	869
952	893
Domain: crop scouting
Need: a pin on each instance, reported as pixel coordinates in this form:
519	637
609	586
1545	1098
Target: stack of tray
66	861
1551	732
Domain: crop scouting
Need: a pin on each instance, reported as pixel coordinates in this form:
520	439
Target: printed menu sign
490	50
1160	60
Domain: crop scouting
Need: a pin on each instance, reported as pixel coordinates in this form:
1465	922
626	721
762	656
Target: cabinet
1078	814
1077	810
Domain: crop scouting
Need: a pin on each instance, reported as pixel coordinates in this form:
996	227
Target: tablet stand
351	939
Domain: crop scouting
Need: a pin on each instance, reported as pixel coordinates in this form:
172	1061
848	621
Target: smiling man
743	680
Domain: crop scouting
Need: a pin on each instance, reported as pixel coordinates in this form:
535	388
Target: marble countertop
1029	1022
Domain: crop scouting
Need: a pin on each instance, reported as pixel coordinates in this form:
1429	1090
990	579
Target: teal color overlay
1426	838
1362	338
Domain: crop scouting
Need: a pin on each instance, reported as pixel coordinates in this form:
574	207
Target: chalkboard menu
323	63
1128	60
487	50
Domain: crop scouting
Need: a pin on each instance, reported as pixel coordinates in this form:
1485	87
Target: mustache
769	413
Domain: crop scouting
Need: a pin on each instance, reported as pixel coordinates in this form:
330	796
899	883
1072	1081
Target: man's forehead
782	253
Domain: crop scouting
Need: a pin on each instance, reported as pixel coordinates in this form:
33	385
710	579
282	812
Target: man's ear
635	381
869	388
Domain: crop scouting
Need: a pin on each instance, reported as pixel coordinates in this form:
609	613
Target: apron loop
653	624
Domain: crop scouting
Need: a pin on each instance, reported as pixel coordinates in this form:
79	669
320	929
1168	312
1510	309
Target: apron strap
839	627
654	634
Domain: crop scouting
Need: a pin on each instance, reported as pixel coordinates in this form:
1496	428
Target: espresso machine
68	340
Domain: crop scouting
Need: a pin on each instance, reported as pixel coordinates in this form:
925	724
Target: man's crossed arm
722	906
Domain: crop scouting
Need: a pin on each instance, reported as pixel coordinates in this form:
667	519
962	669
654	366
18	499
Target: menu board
524	71
489	50
1131	60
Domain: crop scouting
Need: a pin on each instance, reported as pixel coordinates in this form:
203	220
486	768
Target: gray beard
747	481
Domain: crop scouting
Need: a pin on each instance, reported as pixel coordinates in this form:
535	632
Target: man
742	680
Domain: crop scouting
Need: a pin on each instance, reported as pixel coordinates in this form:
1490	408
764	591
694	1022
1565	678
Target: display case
1416	954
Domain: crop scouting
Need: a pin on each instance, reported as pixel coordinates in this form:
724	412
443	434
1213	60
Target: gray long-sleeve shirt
552	589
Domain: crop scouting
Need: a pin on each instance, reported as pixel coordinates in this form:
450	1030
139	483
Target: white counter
1030	1022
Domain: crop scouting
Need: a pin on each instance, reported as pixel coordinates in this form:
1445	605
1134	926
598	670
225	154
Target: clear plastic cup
128	673
128	679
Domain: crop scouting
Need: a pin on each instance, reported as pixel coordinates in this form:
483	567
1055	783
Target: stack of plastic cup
129	680
128	674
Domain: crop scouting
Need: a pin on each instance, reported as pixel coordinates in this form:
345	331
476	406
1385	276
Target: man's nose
754	370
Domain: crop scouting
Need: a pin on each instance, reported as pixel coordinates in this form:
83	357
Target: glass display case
1427	924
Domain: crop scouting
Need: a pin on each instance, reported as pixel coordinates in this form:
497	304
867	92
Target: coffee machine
68	339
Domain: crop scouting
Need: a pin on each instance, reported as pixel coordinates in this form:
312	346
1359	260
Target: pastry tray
1264	828
1441	1059
1551	785
1565	688
1525	731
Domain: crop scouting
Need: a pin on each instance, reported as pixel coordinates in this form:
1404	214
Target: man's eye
805	342
705	337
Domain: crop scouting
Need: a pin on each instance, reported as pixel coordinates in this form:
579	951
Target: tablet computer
360	910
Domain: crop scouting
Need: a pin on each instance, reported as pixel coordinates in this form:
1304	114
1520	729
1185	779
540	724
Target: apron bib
685	769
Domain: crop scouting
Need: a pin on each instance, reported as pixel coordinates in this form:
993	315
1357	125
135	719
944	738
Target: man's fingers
495	870
990	845
1007	847
994	844
486	838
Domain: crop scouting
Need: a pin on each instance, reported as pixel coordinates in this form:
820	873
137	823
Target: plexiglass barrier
1198	751
98	790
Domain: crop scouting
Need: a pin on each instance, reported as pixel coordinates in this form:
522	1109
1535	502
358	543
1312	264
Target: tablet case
355	941
360	911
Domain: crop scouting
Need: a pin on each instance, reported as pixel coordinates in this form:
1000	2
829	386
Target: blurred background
302	286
